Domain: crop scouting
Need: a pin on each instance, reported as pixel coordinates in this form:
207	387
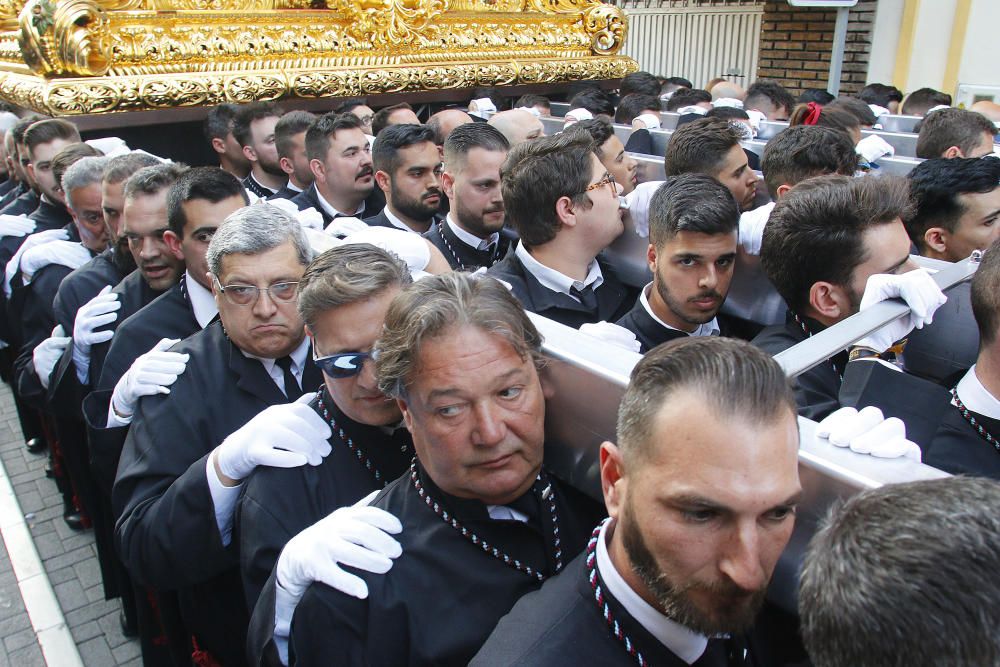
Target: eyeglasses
343	365
607	180
246	295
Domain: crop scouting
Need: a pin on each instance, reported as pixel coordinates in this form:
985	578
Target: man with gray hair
482	522
701	488
906	575
188	452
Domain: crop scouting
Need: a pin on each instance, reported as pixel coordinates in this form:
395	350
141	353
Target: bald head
517	125
443	122
727	89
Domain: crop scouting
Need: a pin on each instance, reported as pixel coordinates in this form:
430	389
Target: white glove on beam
646	121
357	536
96	313
34	240
868	432
920	293
66	253
874	147
282	436
48	353
637	205
16	225
152	373
612	333
345	226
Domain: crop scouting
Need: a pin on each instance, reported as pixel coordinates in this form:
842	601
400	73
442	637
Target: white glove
575	115
110	146
532	110
756	118
874	147
47	354
342	227
310	218
357	536
692	108
648	121
612	333
16	225
35	239
730	102
483	107
96	313
282	436
152	373
411	248
879	111
67	253
920	293
637	204
868	432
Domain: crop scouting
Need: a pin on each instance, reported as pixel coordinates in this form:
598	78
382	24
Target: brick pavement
69	559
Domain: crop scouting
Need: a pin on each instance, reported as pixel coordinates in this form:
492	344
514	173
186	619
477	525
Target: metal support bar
837	54
816	349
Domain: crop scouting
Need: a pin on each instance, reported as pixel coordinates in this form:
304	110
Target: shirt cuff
284	609
114	419
224	500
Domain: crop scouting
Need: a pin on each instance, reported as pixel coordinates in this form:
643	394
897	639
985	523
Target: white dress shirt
554	280
396	222
706	329
333	213
752	225
686	644
202	302
976	397
472	240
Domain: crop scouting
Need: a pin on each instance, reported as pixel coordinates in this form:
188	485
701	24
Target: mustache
706	295
367	170
432	192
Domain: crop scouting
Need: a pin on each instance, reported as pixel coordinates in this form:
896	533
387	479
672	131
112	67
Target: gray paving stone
19	640
88	572
29	656
69	558
126	652
71	595
96	652
85	631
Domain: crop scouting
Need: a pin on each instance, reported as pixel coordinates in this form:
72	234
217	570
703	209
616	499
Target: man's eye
511	392
699	515
449	410
203	237
687	262
725	261
780	513
241	291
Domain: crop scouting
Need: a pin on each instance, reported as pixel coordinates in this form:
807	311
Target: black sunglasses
343	365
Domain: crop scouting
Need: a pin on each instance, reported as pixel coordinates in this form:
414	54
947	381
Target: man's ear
286	166
218	145
174	243
318	169
651	257
382	179
782	190
829	300
448	184
407	415
250	153
565	211
952	152
613	479
936	239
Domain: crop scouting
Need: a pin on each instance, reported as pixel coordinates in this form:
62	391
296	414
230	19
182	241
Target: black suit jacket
957	448
285	192
253	186
614	299
12	194
166	532
460	255
23	205
381	220
50	216
309	199
651	333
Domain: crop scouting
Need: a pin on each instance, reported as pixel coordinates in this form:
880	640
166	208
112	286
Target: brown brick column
796	43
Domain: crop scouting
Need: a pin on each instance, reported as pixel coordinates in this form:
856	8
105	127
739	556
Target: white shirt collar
395	221
502	512
263	187
332	212
471	240
706	329
976	397
202	302
294	188
686	644
554	280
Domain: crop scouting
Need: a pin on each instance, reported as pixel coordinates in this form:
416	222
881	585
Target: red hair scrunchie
813	116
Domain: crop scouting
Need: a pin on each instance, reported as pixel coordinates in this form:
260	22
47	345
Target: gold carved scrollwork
9	10
71	37
607	28
391	23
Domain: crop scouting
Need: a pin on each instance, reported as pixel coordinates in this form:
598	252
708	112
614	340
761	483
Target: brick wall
796	43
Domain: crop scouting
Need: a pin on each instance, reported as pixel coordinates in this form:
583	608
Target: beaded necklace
461	264
602	604
444	515
964	411
808	333
346	439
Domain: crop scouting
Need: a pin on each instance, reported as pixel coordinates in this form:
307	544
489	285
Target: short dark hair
772	91
922	100
728	113
388	143
805	151
594	100
945	128
153	180
686	97
691	203
247	114
120	167
935	185
349	106
50	129
22	125
472	135
735	378
532	100
219	121
817	95
209	183
69	155
880	94
828	116
634	104
319	133
986	295
700	147
815	233
905	574
289	125
857	108
533	178
642	83
380	120
597	130
676	81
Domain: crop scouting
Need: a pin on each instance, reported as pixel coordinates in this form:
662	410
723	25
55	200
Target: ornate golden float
67	57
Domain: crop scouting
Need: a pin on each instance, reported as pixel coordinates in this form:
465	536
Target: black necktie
586	296
292	388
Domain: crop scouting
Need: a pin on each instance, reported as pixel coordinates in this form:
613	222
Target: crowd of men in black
310	429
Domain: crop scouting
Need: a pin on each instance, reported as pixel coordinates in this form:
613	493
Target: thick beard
415	209
675	600
674	307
